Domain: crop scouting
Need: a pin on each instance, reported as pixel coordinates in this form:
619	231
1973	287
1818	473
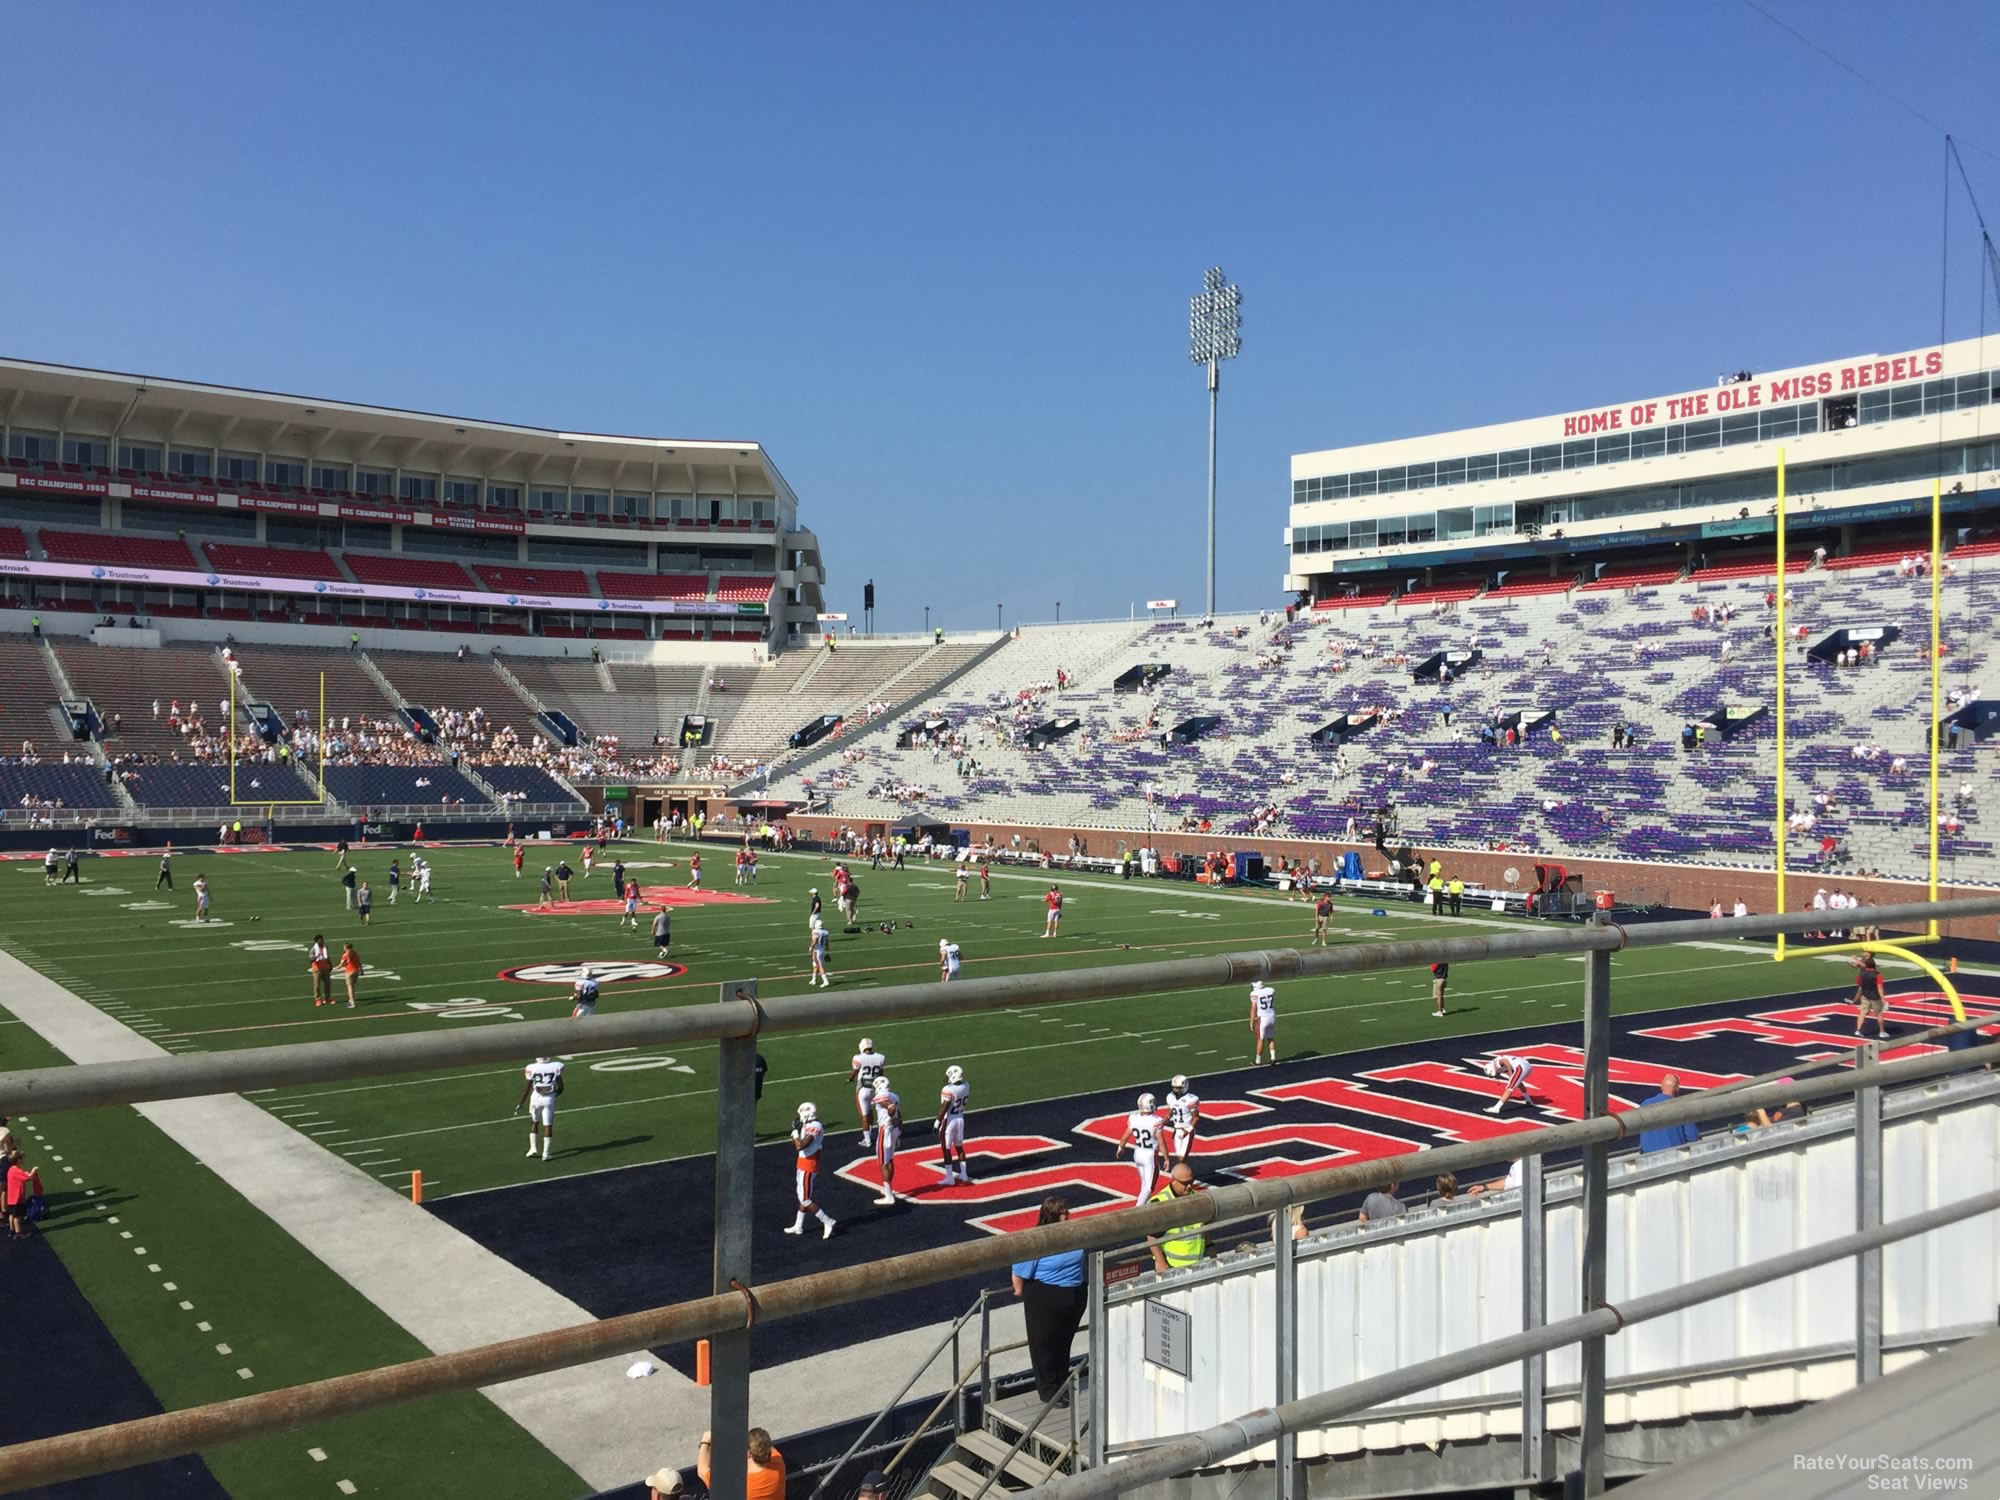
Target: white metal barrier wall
1378	1298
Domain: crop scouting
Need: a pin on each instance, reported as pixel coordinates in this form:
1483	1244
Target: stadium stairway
937	669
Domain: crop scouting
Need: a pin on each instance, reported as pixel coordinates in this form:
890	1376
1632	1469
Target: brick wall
1689	887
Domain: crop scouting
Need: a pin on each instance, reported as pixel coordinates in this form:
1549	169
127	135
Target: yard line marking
244	1374
199	1327
222	1349
317	1455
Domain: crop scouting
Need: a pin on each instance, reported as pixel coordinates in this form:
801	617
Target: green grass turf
199	988
216	1272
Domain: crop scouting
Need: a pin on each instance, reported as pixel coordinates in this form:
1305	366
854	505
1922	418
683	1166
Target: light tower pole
1215	321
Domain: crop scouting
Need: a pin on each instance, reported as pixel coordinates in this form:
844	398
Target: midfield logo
603	970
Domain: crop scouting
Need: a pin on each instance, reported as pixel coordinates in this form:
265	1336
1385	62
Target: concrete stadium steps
128	681
27	698
758	714
443	681
288	678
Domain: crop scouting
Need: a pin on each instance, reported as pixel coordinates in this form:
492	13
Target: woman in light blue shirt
1052	1293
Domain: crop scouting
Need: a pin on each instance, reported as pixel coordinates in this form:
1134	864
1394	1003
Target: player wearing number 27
538	1094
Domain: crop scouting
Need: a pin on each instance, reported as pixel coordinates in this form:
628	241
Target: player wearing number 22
1142	1134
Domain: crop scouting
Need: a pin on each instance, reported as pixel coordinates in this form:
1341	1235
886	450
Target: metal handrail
1213	1445
897	1400
1021	1441
141	1440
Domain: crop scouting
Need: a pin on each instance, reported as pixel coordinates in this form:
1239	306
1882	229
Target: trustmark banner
250	583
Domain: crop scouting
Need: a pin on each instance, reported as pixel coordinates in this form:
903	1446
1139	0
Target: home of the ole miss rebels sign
1749	395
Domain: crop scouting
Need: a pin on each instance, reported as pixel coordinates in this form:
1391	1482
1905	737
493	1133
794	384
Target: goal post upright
1937	674
1779	826
271	804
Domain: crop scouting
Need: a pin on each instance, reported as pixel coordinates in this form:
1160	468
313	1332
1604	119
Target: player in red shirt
1322	909
1054	900
519	852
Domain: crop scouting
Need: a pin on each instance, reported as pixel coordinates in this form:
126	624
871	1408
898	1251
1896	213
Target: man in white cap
664	1483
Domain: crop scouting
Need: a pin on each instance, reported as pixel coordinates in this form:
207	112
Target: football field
208	1298
477	953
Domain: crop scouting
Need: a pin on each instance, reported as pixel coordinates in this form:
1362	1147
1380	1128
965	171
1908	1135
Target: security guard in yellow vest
1437	894
1183	1246
1455	888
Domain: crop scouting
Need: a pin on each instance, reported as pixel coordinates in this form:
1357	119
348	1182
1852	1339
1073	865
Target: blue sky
937	257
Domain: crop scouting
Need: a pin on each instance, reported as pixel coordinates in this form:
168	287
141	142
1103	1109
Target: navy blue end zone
63	1370
620	1241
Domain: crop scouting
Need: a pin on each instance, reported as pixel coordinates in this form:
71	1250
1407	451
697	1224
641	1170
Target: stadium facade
696	539
1673	475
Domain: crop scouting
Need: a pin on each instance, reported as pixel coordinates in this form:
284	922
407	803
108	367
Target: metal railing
736	1022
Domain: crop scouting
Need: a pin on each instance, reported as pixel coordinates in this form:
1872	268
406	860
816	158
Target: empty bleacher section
568	582
438	680
653	585
288	678
13	542
118	549
527	785
207	787
733	588
275	562
126	684
27	693
52	795
408	572
378	788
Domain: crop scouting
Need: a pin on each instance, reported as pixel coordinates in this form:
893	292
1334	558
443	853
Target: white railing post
1868	1215
1535	1463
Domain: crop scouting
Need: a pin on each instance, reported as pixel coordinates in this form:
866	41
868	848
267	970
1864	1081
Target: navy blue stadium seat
530	784
208	786
398	786
73	785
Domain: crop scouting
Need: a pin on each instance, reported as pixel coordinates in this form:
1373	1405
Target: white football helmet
1180	1083
541	1059
954	1074
1145	1104
868	1044
808	1112
882	1084
1491	1067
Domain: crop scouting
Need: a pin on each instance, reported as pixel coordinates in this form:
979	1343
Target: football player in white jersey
1263	1021
888	1136
867	1067
1513	1075
951	1124
947	960
808	1135
538	1095
1142	1134
1183	1115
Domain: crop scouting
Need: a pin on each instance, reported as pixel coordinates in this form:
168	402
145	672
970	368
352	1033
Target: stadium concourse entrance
1345	728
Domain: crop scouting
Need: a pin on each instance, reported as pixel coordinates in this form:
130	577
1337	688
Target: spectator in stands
664	1483
1666	1137
1053	1296
766	1479
1382	1204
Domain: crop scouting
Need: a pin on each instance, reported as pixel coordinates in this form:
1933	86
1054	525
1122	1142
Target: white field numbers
627	1060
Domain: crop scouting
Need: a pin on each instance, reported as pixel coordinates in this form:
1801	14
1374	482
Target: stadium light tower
1215	322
